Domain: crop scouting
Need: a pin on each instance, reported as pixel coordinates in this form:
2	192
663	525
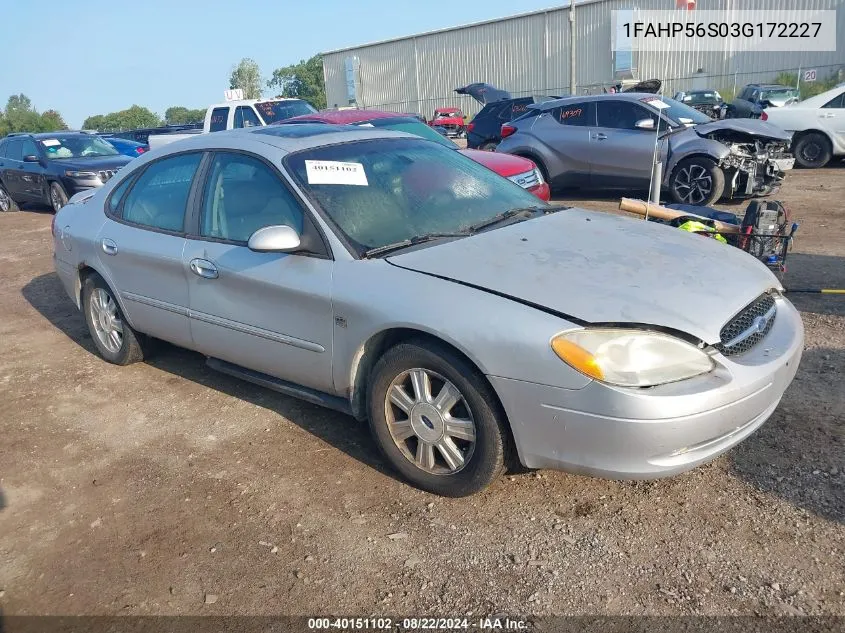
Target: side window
219	118
243	195
836	102
29	147
755	96
3	145
574	114
160	195
518	108
14	150
117	194
246	117
745	94
622	115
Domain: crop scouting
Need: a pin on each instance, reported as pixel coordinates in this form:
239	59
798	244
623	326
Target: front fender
693	145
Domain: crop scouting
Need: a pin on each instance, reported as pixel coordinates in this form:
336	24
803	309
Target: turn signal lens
630	358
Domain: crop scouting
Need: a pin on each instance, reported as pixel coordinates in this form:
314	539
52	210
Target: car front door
33	180
620	153
832	118
142	242
268	312
13	169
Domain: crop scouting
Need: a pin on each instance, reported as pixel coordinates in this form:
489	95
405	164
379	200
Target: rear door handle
600	136
204	268
109	247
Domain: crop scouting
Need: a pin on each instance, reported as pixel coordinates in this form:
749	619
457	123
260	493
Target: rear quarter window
219	119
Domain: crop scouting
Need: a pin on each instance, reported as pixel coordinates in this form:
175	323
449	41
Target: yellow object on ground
699	227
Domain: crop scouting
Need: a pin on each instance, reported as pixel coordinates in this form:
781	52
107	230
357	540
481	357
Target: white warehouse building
530	54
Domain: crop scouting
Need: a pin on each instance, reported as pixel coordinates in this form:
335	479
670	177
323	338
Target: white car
817	124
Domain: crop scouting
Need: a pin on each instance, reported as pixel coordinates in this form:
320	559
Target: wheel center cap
105	321
427	422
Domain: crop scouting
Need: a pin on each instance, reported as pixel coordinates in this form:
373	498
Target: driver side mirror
31	158
644	124
274	239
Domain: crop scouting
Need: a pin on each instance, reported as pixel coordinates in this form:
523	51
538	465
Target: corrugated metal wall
530	54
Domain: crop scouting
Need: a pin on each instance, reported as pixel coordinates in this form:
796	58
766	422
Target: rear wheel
58	196
489	146
6	202
436	419
698	181
813	150
114	338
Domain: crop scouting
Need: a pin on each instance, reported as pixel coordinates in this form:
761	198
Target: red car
520	170
451	120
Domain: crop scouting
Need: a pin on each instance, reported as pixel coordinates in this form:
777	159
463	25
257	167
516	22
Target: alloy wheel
5	200
693	184
55	199
107	324
430	421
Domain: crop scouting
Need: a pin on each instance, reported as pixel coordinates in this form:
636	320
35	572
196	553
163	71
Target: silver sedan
395	280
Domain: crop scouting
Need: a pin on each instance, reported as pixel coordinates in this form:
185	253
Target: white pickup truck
236	114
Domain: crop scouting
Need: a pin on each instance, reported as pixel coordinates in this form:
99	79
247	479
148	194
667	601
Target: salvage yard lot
164	487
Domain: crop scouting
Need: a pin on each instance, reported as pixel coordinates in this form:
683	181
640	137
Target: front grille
526	180
748	327
105	174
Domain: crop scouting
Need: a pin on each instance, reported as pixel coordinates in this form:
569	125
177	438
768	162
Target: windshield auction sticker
332	172
756	30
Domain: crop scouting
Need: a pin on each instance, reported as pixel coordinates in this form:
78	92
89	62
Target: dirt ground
165	488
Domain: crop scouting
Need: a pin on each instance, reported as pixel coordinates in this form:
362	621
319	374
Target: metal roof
461	26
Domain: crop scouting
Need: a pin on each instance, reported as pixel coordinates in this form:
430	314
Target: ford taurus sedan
396	280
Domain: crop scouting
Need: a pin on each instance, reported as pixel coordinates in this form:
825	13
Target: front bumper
623	433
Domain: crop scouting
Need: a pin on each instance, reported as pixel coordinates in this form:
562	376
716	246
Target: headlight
80	174
630	358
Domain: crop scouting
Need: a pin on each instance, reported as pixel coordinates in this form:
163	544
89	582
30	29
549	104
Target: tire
58	196
463	466
698	181
96	293
7	205
812	150
489	146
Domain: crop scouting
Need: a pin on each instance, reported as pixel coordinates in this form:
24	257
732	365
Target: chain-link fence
809	81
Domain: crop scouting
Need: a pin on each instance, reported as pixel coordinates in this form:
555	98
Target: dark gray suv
51	167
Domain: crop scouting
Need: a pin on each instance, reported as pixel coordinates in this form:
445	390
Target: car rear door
32	176
565	131
13	169
142	242
269	312
620	153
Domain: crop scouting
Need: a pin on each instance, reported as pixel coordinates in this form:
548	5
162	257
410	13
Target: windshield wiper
412	241
523	212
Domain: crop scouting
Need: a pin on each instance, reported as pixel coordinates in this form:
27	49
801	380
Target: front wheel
436	419
697	181
58	196
812	150
6	202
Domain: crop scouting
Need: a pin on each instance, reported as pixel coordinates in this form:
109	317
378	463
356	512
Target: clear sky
98	57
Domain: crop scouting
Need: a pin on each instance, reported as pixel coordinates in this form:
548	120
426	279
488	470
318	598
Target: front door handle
109	247
600	136
204	269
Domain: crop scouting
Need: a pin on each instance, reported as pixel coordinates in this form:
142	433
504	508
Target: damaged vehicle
451	120
398	281
707	102
754	98
610	142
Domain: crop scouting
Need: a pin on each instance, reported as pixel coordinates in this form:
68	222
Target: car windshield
411	126
273	111
702	98
447	115
77	146
678	112
383	191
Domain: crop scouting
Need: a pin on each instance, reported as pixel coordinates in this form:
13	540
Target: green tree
51	121
20	116
129	119
247	77
304	80
179	115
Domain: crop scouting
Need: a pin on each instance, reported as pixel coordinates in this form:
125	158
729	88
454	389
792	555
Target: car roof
345	117
41	135
288	138
229	104
771	86
624	96
447	109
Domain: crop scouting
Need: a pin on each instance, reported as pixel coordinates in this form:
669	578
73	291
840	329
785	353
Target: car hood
755	127
503	164
603	268
94	164
484	93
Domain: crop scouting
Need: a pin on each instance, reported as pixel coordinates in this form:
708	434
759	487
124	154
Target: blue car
127	148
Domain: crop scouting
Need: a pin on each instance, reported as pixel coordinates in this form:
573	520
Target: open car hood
649	85
755	127
484	93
